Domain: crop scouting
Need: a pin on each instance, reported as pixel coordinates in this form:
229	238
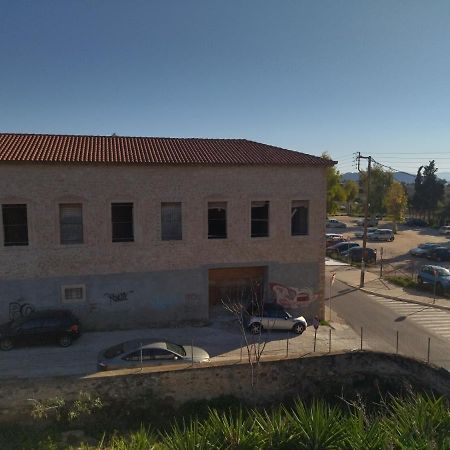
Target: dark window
217	220
260	219
71	223
32	324
171	227
15	225
299	218
52	322
122	222
162	354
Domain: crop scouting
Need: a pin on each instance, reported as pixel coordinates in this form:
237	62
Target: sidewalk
375	285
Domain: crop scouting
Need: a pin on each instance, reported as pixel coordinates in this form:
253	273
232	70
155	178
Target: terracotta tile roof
147	150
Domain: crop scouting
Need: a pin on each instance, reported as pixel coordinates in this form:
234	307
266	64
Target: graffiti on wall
290	297
20	308
117	297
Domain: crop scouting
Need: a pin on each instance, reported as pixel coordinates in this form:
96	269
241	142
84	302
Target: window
260	219
15	225
71	223
299	218
73	294
217	220
122	222
32	325
171	229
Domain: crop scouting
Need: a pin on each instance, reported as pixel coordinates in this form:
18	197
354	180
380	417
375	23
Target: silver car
274	317
148	352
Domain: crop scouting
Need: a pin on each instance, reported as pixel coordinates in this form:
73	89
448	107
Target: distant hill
444	175
401	177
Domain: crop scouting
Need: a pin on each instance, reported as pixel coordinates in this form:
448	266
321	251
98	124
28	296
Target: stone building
136	231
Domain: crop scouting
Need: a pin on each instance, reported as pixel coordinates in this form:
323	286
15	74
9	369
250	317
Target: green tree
335	191
428	190
380	182
396	202
351	190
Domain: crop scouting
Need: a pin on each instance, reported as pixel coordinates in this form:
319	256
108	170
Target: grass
414	421
403	281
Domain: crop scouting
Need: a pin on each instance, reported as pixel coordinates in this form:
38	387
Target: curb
400	299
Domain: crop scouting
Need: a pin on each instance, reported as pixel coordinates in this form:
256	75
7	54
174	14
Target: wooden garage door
236	284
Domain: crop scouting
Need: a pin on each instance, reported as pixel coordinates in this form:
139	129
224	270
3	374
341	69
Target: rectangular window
299	218
260	219
71	223
217	220
15	225
122	222
171	227
73	294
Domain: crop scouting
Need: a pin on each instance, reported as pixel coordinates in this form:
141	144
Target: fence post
361	338
287	346
315	338
396	346
242	344
428	354
192	351
329	343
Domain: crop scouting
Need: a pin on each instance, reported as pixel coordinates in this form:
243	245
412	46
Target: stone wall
313	376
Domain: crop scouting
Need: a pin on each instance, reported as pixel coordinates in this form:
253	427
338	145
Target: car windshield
442	271
178	349
112	352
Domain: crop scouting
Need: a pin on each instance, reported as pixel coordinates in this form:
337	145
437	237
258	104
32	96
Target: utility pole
366	214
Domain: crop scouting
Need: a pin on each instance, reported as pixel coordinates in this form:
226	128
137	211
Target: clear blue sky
336	76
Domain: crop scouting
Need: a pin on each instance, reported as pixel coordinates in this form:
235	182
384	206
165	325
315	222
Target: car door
51	329
30	331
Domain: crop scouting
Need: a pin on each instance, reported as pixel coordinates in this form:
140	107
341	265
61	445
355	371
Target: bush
403	281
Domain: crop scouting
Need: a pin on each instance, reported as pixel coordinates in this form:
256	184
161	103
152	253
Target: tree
380	182
428	190
396	203
335	191
351	191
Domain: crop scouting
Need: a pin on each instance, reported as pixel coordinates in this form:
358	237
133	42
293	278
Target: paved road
381	320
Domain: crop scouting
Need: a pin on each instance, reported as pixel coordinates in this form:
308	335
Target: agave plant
143	439
184	436
318	427
418	422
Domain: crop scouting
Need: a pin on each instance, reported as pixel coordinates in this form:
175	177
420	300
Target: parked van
382	234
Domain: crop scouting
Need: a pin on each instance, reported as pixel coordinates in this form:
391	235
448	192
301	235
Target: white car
382	234
333	223
445	230
370	231
274	317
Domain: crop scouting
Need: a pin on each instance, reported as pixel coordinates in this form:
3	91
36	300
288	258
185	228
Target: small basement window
73	293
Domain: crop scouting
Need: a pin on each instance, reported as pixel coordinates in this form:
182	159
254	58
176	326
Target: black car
336	250
355	255
59	326
439	254
415	223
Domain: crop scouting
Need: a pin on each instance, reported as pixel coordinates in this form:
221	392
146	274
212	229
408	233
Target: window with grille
260	219
299	217
15	225
73	294
122	222
171	226
71	223
217	220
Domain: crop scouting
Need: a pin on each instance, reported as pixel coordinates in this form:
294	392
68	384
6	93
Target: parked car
439	254
354	254
336	250
435	274
445	230
275	317
411	222
333	223
360	233
148	352
371	222
382	234
333	238
58	326
422	249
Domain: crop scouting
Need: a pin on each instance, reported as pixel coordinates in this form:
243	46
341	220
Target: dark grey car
148	352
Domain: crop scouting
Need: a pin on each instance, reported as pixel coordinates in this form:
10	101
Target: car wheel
391	238
255	328
298	328
6	344
419	280
65	341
